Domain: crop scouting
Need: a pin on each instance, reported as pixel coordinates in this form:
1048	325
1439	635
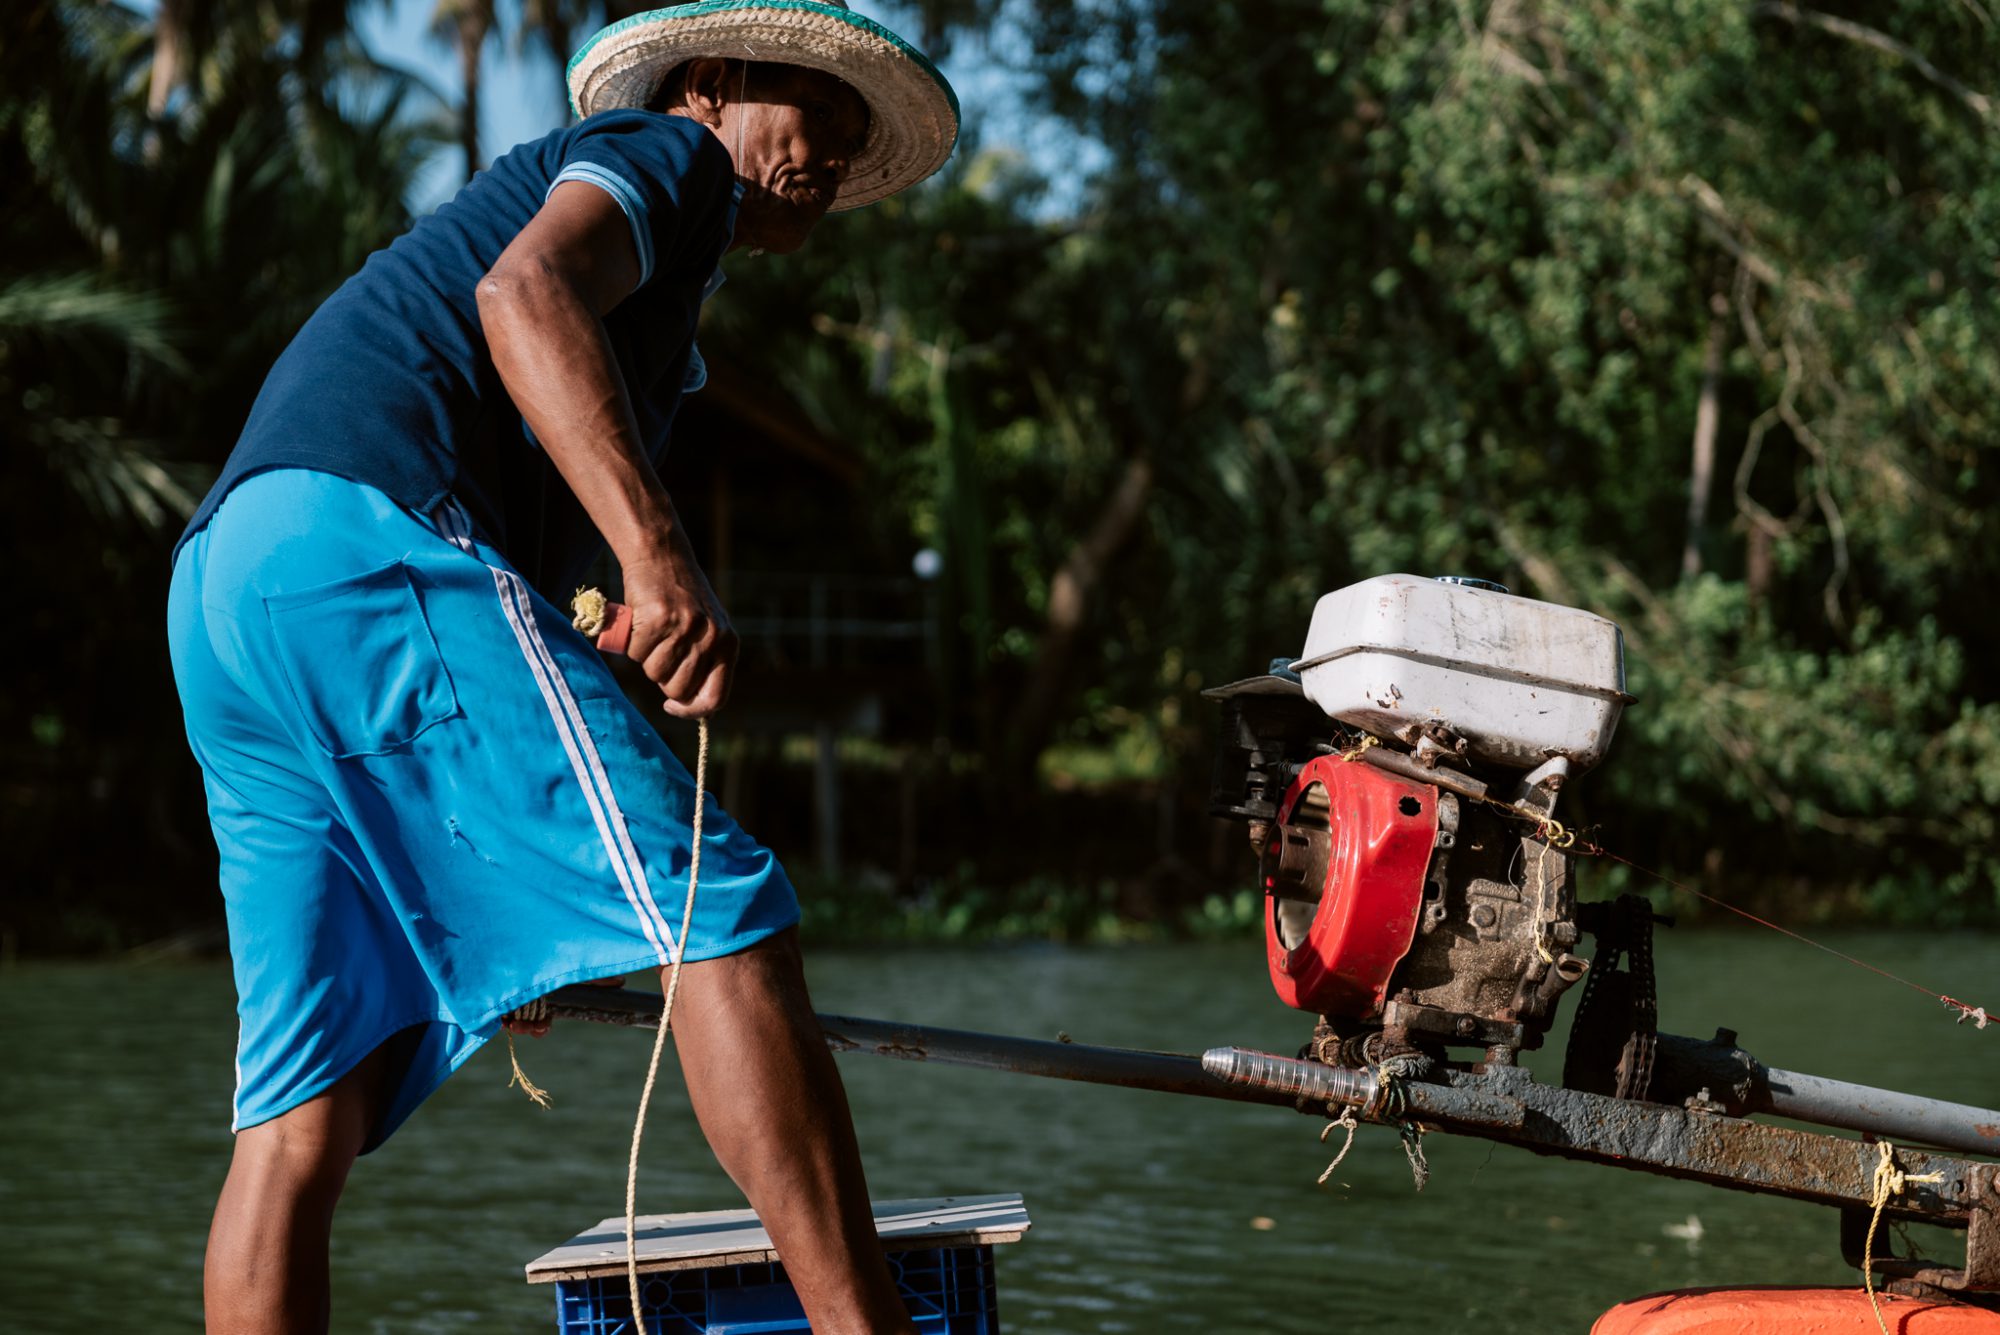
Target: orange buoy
1790	1311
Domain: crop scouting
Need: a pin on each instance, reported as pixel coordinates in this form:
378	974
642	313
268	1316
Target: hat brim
912	110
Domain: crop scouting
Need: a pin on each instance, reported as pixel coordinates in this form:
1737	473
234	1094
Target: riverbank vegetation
1687	313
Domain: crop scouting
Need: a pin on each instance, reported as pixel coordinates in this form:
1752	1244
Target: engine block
1411	890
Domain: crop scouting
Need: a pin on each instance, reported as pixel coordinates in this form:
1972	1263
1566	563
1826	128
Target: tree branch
1978	103
1707	417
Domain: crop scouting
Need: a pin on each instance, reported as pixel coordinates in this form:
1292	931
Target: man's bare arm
541	307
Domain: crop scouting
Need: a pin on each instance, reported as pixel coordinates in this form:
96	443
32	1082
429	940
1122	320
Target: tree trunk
169	55
170	50
1757	567
1070	594
473	25
1707	415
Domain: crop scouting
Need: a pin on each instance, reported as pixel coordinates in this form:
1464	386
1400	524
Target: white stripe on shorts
516	603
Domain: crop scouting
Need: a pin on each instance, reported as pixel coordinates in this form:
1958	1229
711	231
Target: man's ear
708	90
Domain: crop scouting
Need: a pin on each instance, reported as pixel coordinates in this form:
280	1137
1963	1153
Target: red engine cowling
1344	874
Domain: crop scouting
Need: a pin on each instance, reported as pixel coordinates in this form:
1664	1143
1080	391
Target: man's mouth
808	188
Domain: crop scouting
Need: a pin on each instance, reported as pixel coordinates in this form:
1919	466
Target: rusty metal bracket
1697	1146
1919	1277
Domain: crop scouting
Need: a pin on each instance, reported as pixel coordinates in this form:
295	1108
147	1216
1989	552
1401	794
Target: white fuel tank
1522	681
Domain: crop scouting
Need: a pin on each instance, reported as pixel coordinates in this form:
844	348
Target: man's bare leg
266	1269
772	1106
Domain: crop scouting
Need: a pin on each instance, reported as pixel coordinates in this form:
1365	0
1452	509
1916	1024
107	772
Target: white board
734	1237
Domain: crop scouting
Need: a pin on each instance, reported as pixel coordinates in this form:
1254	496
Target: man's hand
538	1028
680	634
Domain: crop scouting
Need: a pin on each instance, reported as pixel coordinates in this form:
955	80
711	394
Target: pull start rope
1977	1015
1558	836
1555	835
660	1035
593	616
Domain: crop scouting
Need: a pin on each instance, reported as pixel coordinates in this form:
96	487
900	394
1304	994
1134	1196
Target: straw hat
912	111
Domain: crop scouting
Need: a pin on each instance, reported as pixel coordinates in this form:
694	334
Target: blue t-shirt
390	382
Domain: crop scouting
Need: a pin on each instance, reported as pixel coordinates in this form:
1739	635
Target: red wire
1977	1014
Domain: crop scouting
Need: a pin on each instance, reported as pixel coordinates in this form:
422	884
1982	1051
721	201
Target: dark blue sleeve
672	178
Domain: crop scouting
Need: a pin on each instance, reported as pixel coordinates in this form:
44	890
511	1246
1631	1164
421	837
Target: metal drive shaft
1881	1112
1728	1073
1313	1081
1167	1072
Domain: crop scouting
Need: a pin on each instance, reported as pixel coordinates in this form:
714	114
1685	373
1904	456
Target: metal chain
1635	1063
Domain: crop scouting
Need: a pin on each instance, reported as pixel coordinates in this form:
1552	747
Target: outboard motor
1400	780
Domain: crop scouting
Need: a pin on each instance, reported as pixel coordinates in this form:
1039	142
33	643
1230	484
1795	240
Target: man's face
801	130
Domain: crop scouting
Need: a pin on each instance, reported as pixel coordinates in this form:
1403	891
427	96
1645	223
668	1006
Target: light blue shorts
431	800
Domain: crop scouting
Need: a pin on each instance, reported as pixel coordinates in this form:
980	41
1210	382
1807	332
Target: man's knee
306	1152
772	964
296	1154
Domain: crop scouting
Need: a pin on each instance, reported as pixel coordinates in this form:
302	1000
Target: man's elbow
501	294
512	290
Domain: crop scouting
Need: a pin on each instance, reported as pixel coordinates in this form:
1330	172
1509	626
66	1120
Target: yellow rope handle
1889	1181
679	945
592	610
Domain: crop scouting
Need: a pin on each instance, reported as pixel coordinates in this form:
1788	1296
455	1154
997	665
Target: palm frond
118	476
73	306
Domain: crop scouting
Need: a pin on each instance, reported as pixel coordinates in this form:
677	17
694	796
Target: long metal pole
1882	1112
1718	1072
1502	1103
1167	1072
1250	1077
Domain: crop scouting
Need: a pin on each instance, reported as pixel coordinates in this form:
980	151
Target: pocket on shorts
361	662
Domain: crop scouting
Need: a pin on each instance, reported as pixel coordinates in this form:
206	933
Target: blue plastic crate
949	1290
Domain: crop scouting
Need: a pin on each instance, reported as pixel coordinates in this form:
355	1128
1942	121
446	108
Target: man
431	801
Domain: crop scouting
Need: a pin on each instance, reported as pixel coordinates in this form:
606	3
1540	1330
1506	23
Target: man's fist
680	634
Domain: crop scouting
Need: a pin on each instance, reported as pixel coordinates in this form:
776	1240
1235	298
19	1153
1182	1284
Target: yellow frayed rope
538	1009
1889	1181
1346	1119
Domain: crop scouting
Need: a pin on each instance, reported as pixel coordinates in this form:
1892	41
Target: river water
1152	1213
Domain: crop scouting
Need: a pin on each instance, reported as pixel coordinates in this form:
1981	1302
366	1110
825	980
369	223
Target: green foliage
150	270
1345	288
1433	288
960	911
